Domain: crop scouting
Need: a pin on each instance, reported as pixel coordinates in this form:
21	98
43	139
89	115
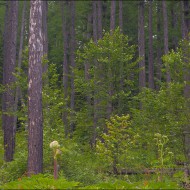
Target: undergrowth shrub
79	165
40	181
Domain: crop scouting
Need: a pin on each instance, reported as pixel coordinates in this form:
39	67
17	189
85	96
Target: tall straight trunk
186	29
174	26
45	34
121	83
72	56
112	15
183	30
99	4
121	15
110	84
87	64
150	53
9	65
166	49
65	64
35	120
141	45
95	38
20	60
159	50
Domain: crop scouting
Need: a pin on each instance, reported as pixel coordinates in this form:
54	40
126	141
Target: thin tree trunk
186	30
99	4
182	20
72	53
110	85
20	60
95	37
174	26
121	15
65	65
159	51
35	130
112	15
150	44
166	49
141	45
121	82
9	79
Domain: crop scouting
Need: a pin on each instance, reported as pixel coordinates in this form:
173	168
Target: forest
95	94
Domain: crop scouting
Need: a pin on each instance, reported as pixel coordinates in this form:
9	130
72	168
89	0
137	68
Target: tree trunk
112	15
65	65
10	35
87	64
183	30
141	45
110	84
45	34
35	131
159	50
166	49
121	15
174	26
95	37
20	60
72	53
186	30
99	4
150	55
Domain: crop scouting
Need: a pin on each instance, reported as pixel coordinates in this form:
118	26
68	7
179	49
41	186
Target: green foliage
13	170
40	181
164	112
119	184
115	143
164	154
80	164
111	62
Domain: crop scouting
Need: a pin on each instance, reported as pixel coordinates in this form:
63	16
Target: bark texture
45	34
9	64
35	131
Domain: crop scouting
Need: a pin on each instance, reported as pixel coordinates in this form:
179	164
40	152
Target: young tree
35	128
10	34
150	45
